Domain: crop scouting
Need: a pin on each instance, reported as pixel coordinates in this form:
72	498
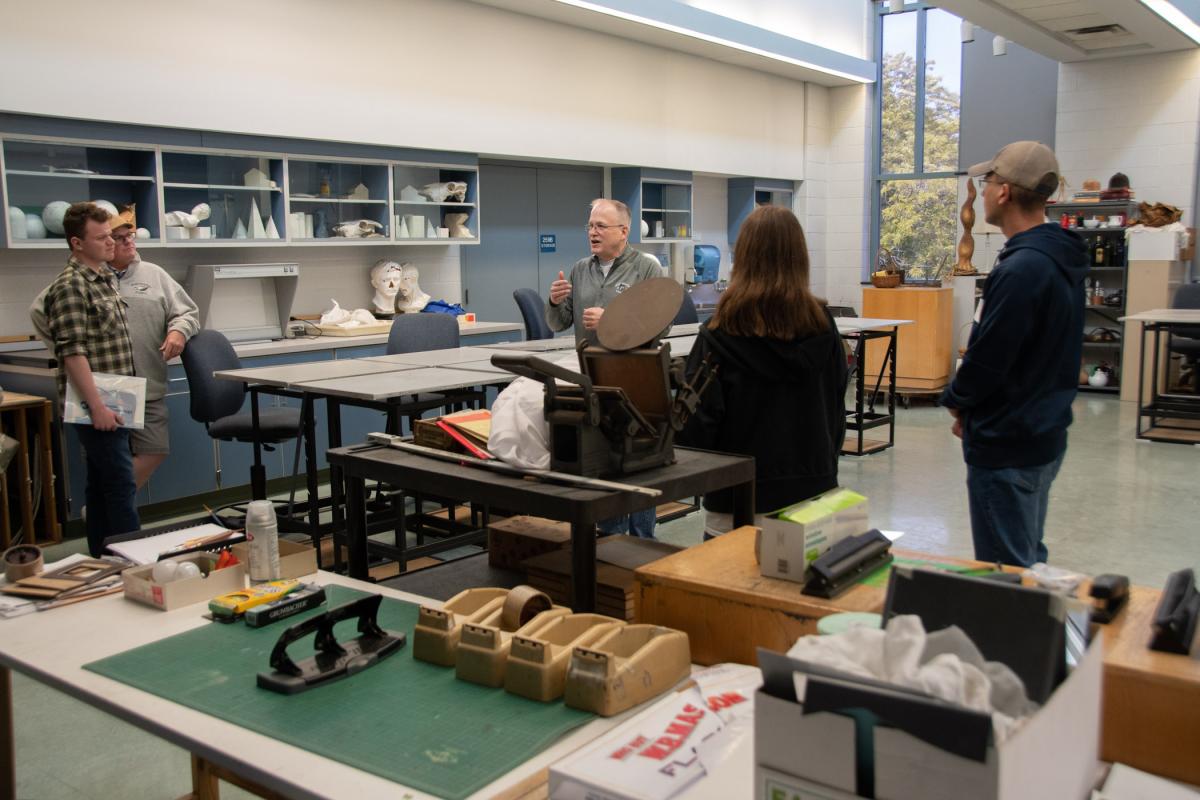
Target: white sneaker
83	513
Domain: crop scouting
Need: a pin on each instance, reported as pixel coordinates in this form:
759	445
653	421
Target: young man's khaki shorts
154	438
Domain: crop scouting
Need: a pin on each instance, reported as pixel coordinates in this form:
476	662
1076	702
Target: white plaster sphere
34	228
16	223
143	233
52	216
107	206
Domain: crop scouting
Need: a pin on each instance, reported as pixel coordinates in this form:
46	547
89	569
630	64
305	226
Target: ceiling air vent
1095	31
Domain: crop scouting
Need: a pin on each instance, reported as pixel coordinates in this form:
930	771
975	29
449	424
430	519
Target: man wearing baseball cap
161	318
1011	398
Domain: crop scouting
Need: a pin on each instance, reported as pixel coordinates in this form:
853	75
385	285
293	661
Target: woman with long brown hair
781	372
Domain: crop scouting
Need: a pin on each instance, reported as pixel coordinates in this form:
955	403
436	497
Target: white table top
53	646
441	358
535	345
1165	315
856	324
387	385
287	375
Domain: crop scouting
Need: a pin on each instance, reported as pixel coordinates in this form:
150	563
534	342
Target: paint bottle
263	532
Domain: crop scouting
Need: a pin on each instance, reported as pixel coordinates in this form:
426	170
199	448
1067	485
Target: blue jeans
639	523
1008	511
111	492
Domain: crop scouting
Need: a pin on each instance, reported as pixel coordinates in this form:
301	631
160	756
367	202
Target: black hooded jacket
1020	373
783	402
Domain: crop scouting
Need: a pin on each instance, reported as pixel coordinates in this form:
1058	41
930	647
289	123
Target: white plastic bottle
263	532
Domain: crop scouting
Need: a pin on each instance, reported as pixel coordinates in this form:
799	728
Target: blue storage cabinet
746	194
661	198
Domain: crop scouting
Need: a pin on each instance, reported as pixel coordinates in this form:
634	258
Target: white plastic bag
124	395
520	434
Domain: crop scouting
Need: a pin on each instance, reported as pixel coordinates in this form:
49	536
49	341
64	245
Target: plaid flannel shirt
86	316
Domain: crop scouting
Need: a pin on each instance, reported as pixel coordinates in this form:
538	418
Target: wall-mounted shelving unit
662	199
746	194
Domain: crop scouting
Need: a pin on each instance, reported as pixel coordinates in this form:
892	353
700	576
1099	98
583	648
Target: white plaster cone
239	232
272	231
430	233
401	228
257	231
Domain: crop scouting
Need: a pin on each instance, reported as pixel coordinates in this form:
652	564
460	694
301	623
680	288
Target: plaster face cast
385	278
184	219
450	191
457	223
358	229
410	298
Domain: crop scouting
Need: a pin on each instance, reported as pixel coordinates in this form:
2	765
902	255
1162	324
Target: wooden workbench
714	591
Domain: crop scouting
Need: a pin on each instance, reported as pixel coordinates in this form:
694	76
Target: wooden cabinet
924	349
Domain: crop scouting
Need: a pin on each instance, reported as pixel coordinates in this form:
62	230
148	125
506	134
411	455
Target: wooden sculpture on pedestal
966	245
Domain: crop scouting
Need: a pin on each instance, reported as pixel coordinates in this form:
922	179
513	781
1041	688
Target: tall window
919	53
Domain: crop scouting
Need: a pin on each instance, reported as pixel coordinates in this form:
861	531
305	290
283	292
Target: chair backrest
1188	296
842	311
532	311
687	312
211	399
412	333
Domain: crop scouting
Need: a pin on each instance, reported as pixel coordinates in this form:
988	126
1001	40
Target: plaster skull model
454	191
385	279
358	229
457	223
410	298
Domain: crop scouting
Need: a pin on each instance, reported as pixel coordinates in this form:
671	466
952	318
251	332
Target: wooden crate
512	541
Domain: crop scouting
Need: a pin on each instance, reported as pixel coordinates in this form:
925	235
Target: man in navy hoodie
1011	399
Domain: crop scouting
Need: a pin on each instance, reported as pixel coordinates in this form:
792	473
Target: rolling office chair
217	405
1186	342
687	312
532	311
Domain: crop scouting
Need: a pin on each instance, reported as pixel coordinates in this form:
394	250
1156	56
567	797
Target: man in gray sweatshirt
161	318
612	268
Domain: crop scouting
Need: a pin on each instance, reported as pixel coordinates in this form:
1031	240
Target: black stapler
1109	593
1174	621
846	562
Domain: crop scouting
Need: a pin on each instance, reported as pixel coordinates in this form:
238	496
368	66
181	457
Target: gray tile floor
1118	506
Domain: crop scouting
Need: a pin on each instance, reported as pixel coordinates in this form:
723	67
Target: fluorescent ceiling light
1181	21
745	48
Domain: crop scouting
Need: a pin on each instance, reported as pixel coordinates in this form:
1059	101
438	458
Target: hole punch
334	660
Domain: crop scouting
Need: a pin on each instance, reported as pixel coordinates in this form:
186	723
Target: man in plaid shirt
86	316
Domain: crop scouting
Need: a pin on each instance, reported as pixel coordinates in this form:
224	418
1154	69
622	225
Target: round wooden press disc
639	313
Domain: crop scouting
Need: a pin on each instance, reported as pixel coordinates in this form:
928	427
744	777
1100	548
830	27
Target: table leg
8	752
743	504
49	490
258	473
25	481
583	566
356	527
333	412
308	417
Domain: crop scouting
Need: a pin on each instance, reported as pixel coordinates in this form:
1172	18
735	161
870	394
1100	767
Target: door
523	203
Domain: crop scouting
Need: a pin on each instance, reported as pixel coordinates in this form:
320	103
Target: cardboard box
140	585
295	559
1152	244
792	538
932	749
771	784
511	541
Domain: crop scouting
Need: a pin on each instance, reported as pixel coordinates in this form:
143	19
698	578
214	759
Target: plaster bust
385	279
410	298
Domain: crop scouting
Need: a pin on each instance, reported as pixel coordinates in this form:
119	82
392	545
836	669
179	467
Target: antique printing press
620	413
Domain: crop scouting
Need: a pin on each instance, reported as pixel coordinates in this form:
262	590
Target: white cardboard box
1052	756
1152	244
140	585
785	549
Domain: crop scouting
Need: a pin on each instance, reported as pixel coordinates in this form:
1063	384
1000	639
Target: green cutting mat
402	719
879	578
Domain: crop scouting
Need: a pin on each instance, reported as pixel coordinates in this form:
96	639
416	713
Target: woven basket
889	281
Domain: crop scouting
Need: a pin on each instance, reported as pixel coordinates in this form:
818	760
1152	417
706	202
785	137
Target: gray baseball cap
1030	165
